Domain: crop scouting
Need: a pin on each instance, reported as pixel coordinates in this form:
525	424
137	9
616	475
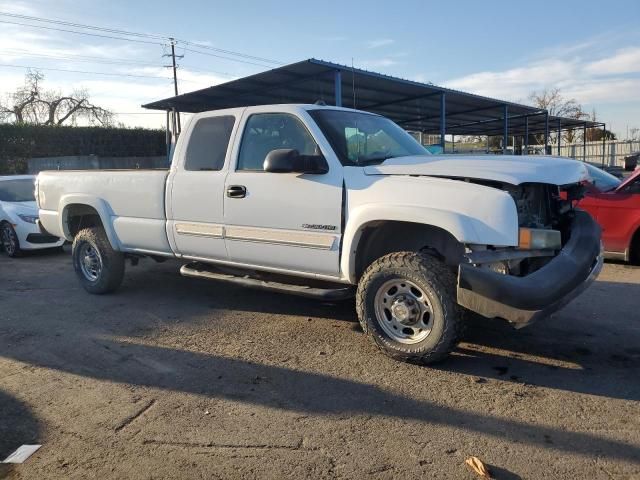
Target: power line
80	25
228	52
95	73
84	71
81	33
226	58
135	34
106	61
78	58
129	40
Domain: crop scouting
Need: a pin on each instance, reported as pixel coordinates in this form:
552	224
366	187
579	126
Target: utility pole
175	75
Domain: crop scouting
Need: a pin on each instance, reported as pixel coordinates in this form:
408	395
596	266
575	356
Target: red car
615	204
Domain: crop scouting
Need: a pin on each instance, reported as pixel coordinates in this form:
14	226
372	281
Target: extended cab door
286	221
195	217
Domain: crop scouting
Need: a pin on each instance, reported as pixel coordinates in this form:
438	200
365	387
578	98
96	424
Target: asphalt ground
182	378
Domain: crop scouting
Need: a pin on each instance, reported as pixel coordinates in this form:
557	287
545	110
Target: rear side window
208	143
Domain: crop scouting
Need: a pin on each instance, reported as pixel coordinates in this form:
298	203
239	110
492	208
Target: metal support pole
337	78
487	143
168	137
604	141
443	120
175	81
584	142
526	136
505	135
559	135
546	133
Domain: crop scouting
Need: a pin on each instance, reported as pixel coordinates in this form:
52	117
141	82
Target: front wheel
99	267
10	242
406	303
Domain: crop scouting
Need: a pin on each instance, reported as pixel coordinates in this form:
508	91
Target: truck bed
132	200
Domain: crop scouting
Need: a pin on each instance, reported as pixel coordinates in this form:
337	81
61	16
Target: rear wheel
406	304
10	242
99	267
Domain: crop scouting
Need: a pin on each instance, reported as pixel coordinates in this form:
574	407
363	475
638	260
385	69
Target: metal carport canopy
413	105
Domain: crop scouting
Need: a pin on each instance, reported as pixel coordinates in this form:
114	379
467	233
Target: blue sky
590	50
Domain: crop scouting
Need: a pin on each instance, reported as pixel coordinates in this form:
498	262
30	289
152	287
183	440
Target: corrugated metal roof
413	105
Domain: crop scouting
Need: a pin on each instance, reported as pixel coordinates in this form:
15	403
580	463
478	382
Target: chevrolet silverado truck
330	203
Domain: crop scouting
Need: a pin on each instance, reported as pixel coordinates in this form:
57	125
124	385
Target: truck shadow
154	297
567	352
288	389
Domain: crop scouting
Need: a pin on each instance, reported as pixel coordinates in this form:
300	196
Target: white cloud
597	79
576	78
378	63
19	7
626	60
380	42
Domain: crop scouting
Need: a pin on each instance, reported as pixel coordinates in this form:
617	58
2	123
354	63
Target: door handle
236	191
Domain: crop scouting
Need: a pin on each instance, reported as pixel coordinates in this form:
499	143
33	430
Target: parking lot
179	378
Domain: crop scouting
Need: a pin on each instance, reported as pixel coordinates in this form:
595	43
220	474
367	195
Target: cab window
265	132
208	143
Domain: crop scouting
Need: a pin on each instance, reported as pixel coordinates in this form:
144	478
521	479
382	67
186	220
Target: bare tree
558	106
597	134
35	105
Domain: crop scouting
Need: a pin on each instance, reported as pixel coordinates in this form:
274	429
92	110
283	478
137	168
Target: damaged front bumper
522	300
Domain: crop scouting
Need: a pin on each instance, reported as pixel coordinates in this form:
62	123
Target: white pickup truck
330	202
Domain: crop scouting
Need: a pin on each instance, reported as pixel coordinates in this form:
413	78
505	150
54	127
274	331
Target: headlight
538	238
28	218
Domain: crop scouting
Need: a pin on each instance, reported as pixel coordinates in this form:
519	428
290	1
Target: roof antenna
353	83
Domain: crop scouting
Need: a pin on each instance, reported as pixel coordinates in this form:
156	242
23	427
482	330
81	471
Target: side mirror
288	160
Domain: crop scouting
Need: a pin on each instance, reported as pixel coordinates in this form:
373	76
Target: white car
18	215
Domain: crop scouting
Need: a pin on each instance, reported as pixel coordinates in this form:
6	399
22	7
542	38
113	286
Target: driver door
286	221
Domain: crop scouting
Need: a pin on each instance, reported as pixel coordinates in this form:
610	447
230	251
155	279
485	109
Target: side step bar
199	270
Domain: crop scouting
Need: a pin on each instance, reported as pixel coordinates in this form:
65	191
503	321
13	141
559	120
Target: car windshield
17	190
602	180
364	139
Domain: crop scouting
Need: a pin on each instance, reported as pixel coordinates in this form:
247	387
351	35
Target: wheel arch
78	212
377	238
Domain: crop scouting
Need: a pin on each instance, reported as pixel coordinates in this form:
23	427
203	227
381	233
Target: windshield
17	190
364	139
602	180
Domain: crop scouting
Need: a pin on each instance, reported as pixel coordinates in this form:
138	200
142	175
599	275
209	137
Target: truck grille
537	204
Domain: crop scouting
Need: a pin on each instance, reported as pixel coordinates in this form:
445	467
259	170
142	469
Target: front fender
465	228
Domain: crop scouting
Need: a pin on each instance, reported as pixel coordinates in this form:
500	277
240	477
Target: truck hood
512	169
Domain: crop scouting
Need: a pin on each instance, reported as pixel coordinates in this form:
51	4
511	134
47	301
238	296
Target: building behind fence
609	153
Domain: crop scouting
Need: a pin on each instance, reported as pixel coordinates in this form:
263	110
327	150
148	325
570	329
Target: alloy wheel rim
7	241
403	311
90	262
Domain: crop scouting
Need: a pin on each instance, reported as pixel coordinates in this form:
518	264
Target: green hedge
18	143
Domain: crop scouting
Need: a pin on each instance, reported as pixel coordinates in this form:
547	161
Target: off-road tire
439	284
14	251
112	271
